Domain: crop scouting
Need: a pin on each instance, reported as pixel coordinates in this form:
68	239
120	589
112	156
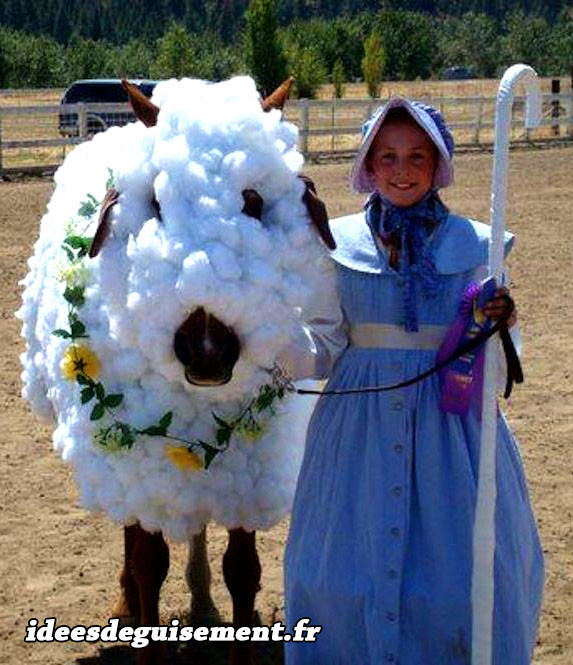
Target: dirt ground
59	561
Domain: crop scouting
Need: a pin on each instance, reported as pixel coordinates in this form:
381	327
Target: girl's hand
497	307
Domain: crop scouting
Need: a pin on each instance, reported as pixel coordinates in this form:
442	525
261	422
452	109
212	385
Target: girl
380	546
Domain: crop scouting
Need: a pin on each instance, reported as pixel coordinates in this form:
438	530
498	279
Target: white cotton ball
256	239
172	154
165	191
243	169
260	272
196	279
127	365
211	160
231	201
195	181
223	261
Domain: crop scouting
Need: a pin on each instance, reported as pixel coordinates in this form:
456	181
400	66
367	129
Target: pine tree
308	71
373	64
265	57
338	78
175	54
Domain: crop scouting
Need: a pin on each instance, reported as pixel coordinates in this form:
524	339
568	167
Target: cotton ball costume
192	248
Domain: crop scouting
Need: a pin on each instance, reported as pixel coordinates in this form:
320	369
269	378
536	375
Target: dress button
397	491
391	616
395	531
392	574
398	406
390	658
398	448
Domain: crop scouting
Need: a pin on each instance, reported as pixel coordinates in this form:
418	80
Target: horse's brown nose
207	348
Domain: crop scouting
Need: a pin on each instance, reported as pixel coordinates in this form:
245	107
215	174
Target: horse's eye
253	204
156	207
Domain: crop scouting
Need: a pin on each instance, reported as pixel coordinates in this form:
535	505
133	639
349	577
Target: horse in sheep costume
173	266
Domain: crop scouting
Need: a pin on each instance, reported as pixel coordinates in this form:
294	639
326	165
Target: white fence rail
37	137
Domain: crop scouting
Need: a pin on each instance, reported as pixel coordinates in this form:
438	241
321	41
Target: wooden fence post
1	165
570	114
555	90
82	120
303	127
479	113
332	122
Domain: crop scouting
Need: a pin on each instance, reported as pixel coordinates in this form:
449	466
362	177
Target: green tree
134	60
175	54
471	40
86	59
373	64
265	57
30	61
338	79
309	73
562	44
409	44
528	40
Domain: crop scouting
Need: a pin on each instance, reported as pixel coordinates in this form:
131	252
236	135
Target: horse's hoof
204	616
121	611
153	654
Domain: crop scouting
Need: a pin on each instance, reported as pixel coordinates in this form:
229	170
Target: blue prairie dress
380	546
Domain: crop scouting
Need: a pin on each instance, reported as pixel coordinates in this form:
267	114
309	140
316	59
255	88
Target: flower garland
82	365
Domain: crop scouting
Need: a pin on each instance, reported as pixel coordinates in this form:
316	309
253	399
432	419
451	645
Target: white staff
484	525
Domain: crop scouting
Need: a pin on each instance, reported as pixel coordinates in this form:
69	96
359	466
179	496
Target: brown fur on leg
149	563
198	576
242	572
127	607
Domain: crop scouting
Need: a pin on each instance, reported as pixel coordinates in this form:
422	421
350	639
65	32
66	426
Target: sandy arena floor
59	561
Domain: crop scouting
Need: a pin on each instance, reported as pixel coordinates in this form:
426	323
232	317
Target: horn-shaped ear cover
110	199
278	98
317	211
144	110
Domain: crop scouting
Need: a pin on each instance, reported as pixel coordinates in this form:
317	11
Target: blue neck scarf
411	227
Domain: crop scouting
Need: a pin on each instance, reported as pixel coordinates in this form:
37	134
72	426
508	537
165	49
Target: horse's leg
242	572
127	607
149	564
198	576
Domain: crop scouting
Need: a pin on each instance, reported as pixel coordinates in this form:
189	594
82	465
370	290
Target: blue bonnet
429	119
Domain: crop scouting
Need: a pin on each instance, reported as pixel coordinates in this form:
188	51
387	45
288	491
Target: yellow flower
184	458
80	359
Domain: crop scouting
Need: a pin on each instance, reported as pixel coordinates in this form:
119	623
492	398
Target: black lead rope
514	371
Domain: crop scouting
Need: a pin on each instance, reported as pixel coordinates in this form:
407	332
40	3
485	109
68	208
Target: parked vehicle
98	91
457	73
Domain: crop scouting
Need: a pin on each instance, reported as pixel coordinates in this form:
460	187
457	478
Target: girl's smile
402	161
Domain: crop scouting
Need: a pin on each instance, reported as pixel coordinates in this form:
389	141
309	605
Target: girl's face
402	160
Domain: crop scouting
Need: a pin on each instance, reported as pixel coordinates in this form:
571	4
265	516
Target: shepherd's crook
484	525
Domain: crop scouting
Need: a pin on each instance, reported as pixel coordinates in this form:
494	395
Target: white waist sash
390	336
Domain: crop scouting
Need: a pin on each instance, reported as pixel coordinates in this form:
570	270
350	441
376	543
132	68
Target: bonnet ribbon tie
412	227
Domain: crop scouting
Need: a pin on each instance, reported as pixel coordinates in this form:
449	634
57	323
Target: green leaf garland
117	435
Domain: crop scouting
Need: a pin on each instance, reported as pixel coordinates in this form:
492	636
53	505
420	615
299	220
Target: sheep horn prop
144	110
317	211
278	98
110	199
